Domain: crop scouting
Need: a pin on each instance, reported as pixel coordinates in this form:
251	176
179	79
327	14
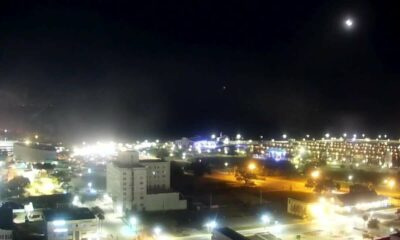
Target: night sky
81	69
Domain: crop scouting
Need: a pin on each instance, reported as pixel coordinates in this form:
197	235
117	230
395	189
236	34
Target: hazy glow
315	174
99	149
349	22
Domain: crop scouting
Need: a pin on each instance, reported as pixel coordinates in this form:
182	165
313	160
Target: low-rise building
70	224
226	233
142	185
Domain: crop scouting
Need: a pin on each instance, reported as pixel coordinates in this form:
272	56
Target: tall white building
142	185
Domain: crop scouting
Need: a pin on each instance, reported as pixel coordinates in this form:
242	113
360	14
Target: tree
373	223
18	183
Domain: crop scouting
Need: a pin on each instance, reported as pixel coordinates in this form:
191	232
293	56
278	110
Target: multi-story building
372	152
70	224
6	223
158	174
33	152
142	185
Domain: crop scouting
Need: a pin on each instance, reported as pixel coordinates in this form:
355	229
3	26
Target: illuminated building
360	198
226	233
6	145
145	184
337	151
71	223
184	143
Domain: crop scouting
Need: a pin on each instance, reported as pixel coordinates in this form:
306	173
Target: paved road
280	184
339	227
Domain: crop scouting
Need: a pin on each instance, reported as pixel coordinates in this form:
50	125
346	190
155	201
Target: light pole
211	225
265	219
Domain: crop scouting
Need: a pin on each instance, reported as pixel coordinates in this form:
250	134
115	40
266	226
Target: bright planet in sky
349	22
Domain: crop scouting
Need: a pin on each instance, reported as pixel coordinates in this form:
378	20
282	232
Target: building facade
141	185
70	224
6	223
5	234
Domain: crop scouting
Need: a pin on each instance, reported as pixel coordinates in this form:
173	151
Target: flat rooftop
38	146
230	233
155	160
68	214
122	164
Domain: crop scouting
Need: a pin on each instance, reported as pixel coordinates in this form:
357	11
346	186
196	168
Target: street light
327	135
238	136
252	166
213	136
391	183
211	225
157	230
350	177
284	136
265	219
133	221
315	174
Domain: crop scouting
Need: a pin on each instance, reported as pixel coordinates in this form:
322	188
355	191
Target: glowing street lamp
265	219
284	136
391	183
211	225
327	135
315	174
133	220
252	166
226	164
157	230
350	177
213	136
344	134
238	136
36	136
302	150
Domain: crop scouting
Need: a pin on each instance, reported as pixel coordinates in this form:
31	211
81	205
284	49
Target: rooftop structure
70	223
68	214
141	185
226	233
